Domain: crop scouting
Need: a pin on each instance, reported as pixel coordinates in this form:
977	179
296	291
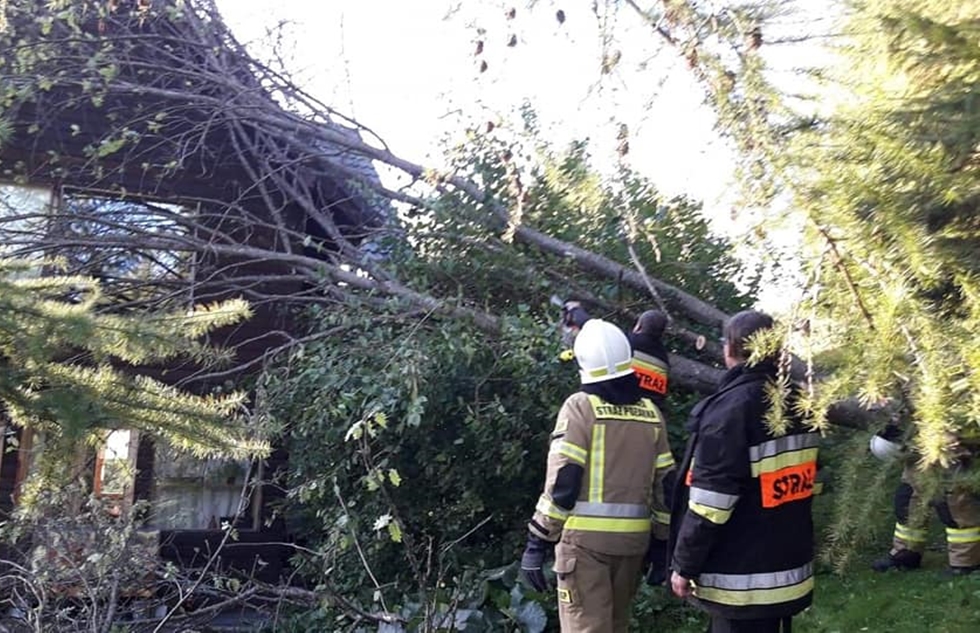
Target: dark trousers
723	625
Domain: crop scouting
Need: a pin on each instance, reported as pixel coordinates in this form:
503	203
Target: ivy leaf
395	532
394	477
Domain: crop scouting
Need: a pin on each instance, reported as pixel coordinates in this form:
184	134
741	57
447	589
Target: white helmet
602	351
885	450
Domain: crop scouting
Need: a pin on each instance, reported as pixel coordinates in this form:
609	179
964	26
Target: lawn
858	600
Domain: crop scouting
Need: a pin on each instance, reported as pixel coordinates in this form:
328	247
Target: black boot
902	560
960	571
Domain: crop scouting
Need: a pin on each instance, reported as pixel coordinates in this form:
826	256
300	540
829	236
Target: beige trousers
595	591
959	510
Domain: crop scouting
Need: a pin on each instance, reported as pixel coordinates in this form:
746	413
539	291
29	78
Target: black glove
656	562
536	552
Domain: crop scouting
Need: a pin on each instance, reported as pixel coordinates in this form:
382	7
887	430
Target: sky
409	72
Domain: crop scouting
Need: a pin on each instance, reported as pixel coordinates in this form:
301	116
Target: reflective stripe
755	596
962	535
756	589
665	460
905	533
760	580
643	359
712	514
661	517
598	463
645	411
778	462
604	371
605	524
718	500
621	510
783	444
548	508
571	451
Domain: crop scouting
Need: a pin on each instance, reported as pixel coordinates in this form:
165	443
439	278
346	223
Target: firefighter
741	524
650	361
958	509
652	366
603	492
573	317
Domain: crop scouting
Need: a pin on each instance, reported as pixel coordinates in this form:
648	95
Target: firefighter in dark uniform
603	492
741	525
957	506
650	360
573	317
651	365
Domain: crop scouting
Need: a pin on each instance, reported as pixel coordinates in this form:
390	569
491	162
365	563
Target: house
144	146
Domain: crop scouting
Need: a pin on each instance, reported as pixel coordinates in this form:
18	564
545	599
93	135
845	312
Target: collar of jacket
738	375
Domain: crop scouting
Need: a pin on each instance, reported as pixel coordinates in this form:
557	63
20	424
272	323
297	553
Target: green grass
921	601
894	602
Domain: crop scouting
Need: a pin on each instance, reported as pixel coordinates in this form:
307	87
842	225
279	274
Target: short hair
740	327
652	322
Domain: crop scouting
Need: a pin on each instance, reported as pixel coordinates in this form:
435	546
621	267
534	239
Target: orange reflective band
791	483
651	379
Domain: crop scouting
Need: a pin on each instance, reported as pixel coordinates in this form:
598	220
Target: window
202	494
115	468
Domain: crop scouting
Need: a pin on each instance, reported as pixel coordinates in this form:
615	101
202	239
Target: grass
859	599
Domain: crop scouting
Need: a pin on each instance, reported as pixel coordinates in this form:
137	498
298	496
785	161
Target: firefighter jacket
741	524
651	365
604	485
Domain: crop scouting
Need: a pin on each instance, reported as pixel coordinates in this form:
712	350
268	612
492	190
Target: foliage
64	372
433	431
437	434
623	217
895	217
90	556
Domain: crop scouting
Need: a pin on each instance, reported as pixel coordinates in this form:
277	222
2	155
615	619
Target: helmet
884	449
602	351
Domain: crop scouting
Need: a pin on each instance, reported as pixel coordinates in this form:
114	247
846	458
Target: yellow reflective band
749	597
712	514
603	371
572	451
661	517
665	460
598	463
604	524
778	462
962	535
645	411
549	509
905	533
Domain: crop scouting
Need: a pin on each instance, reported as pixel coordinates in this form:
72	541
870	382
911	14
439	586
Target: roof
158	100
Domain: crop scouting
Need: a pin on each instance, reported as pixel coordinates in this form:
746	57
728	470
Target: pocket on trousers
563	570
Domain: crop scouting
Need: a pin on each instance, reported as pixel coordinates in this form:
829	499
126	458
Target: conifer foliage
891	210
69	370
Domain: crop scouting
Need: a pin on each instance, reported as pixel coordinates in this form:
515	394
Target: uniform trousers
595	590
